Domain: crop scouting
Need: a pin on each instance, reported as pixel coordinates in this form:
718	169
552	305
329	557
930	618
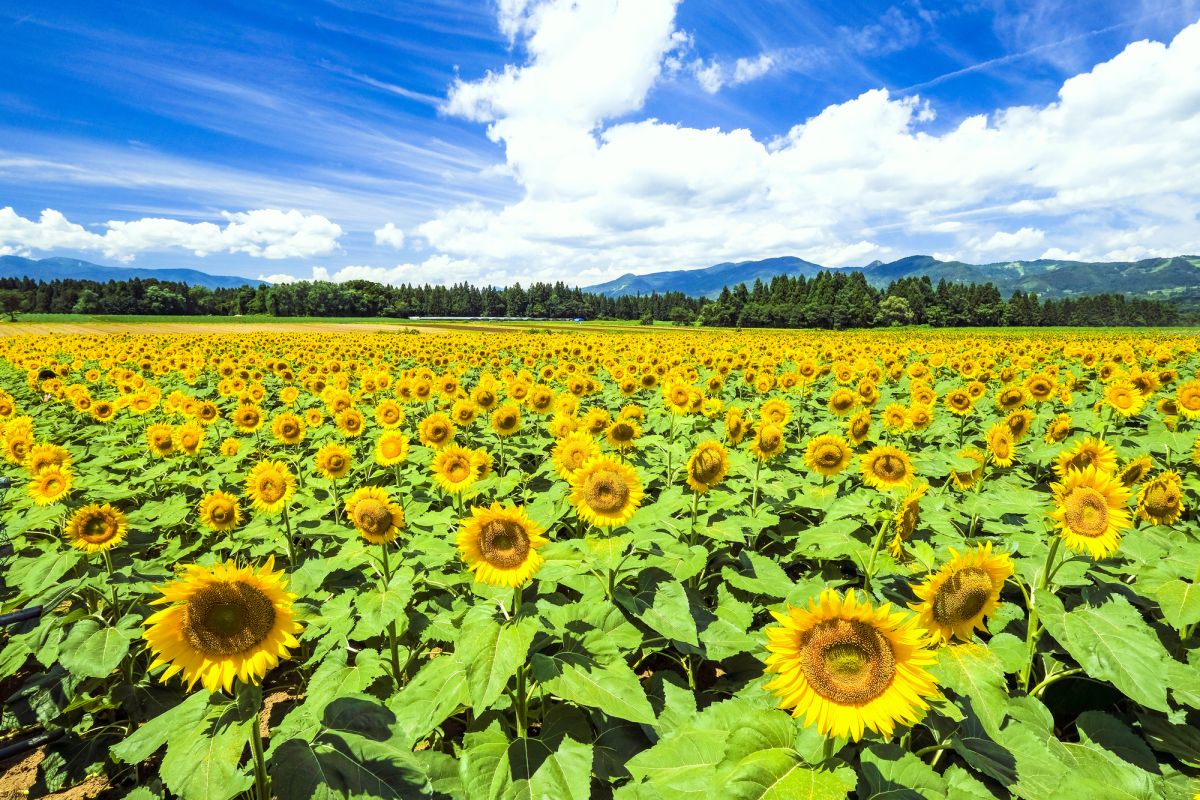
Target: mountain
49	269
1176	278
708	281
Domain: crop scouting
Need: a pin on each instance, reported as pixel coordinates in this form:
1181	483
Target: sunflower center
962	596
707	466
391	448
606	492
224	619
622	432
98	529
889	467
769	440
270	489
847	661
828	455
1161	499
504	543
458	470
373	517
1087	512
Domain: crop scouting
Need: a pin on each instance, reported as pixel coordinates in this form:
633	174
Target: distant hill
1176	278
49	269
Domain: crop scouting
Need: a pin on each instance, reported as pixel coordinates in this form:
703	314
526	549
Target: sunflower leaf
491	653
93	651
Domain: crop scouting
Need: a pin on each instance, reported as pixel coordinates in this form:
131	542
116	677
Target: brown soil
19	774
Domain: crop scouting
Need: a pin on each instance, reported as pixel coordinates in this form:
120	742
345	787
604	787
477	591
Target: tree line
830	300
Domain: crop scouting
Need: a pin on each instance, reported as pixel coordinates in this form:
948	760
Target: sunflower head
436	431
1058	429
1135	469
270	485
1001	443
95	528
848	667
374	514
768	441
886	467
499	544
827	455
1090	511
220	511
623	434
333	461
606	493
222	623
1124	397
50	485
573	451
230	447
736	425
189	438
1019	422
506	420
1087	452
906	518
858	428
160	438
288	428
707	466
957	599
1160	501
391	448
965	478
454	468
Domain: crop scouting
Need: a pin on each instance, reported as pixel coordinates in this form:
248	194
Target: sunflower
895	418
389	414
848	667
1090	510
606	493
906	519
768	441
49	485
247	419
842	401
103	411
960	402
454	468
1124	397
160	438
964	479
500	545
1160	501
189	438
886	467
436	431
1001	445
463	412
332	461
623	434
707	466
270	485
827	455
1058	429
350	422
41	456
230	447
736	425
391	448
1088	452
376	516
1135	469
506	419
572	452
222	622
955	600
1187	398
1019	422
858	428
776	410
920	416
288	428
481	460
220	511
97	527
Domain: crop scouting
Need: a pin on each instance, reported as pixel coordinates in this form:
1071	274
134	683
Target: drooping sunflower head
572	452
1160	501
499	544
768	441
288	428
1090	511
506	419
965	476
1058	429
848	667
606	493
50	485
333	461
957	599
436	431
374	514
886	467
454	469
623	434
222	623
220	511
1087	452
1135	469
270	485
707	466
906	518
94	528
827	455
160	438
1001	444
736	425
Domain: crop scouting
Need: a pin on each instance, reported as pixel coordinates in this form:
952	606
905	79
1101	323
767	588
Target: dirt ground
18	776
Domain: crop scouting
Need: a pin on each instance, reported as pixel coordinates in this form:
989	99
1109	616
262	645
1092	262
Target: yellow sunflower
220	511
956	599
160	438
964	479
41	456
858	428
1125	398
1001	445
230	447
707	466
332	461
96	527
49	485
499	544
736	425
573	451
1058	429
1090	510
848	667
886	467
1187	398
827	455
1135	469
454	468
222	623
436	430
270	485
189	438
506	420
288	428
606	493
350	422
1087	452
768	441
374	514
391	448
906	519
1160	501
623	434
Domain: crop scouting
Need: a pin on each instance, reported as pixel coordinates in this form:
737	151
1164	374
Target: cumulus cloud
713	76
263	233
1107	164
390	236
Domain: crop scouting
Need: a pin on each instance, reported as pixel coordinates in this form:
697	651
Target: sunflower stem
754	496
828	750
521	706
869	575
337	503
287	531
1034	624
1050	680
391	628
112	583
261	781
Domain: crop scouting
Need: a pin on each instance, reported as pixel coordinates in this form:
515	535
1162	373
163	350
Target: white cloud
713	75
1112	159
281	277
390	235
747	69
262	233
438	269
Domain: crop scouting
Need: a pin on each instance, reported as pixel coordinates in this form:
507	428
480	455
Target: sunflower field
655	566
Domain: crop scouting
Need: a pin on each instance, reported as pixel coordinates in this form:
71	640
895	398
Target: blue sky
519	139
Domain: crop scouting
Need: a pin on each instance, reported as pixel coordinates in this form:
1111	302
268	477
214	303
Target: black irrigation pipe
32	743
25	614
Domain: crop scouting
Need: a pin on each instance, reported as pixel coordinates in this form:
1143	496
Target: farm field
315	559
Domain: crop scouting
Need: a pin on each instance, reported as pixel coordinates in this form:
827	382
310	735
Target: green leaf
888	771
671	613
1179	601
759	575
483	766
377	608
976	675
614	688
433	695
566	774
335	677
780	774
92	651
491	653
202	762
1113	643
143	742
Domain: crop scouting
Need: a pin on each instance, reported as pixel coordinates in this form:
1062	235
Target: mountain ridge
49	269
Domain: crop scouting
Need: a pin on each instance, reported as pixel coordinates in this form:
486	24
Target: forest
831	300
